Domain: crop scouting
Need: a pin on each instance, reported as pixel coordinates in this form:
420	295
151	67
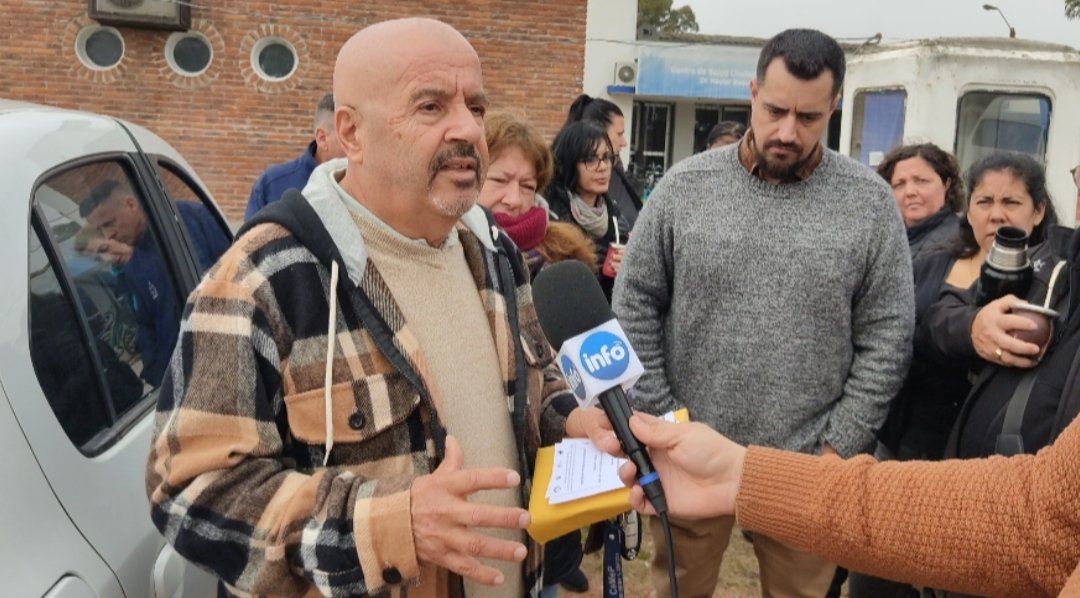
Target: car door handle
70	586
168	574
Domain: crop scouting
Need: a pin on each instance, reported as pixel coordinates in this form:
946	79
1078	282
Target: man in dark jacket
294	174
112	208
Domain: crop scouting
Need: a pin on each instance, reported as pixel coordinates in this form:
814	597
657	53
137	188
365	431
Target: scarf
594	220
527	230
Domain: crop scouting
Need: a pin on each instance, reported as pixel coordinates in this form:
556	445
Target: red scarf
526	230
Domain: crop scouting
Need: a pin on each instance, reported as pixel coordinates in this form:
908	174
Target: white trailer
972	96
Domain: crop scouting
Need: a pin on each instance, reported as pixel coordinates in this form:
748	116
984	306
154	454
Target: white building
971	96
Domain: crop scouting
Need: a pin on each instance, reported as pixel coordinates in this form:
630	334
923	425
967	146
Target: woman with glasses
584	159
609	117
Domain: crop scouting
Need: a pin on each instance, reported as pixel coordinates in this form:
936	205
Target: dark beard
784	173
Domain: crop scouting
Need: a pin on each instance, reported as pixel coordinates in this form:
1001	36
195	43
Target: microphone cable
659	503
672	580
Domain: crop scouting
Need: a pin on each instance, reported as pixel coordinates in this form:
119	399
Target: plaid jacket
235	475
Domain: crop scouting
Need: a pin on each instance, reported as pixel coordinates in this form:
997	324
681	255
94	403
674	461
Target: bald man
365	359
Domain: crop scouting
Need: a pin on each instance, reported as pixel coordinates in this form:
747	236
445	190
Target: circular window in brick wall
273	58
99	48
188	53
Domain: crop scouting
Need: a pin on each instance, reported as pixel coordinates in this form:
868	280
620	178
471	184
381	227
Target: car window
877	124
104	311
209	236
989	122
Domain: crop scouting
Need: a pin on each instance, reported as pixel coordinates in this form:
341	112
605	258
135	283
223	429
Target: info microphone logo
597	360
604	355
573	378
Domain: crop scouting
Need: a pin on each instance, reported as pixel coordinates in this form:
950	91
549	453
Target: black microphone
594	355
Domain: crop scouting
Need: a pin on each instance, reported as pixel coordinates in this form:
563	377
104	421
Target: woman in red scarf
521	164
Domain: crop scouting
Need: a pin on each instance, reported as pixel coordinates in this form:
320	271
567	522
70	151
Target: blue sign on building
697	71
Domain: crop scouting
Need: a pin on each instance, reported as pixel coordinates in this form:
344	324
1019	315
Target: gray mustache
453	153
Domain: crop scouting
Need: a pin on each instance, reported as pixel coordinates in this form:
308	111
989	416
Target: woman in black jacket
957	331
929	192
609	117
925	181
1006	189
578	193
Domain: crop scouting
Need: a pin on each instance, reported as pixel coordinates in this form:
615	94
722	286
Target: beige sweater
437	295
992	527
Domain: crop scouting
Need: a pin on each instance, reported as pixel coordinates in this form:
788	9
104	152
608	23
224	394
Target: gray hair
323	110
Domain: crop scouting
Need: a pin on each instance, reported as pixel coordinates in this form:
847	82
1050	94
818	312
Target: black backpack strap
952	446
1010	441
1069	406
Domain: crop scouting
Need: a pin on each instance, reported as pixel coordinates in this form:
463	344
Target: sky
856	20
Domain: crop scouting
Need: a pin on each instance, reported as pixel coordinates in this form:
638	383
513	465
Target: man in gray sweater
767	288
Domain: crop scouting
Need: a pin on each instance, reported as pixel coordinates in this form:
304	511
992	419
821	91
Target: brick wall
229	123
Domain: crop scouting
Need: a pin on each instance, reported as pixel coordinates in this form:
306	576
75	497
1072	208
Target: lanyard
613	573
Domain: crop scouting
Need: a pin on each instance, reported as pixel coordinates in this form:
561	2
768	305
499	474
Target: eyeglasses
594	162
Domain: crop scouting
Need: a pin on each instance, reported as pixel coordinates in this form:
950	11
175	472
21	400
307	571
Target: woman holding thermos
1007	200
1006	189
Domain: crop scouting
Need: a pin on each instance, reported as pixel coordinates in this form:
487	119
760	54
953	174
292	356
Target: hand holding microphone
594	356
700	468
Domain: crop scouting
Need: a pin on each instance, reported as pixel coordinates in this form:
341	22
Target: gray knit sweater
781	315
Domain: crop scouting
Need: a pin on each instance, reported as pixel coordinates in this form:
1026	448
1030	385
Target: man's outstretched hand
443	520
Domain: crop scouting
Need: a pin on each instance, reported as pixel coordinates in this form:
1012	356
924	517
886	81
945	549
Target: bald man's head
410	109
373	57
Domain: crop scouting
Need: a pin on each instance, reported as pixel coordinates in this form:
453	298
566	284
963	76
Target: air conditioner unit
155	14
625	74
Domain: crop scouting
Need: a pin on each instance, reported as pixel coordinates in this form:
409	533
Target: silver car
107	229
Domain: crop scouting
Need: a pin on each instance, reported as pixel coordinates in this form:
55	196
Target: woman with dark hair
929	192
578	193
1006	190
724	133
609	117
928	189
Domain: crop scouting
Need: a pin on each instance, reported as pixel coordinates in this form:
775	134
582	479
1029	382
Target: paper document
580	470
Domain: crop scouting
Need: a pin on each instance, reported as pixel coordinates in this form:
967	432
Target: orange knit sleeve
996	527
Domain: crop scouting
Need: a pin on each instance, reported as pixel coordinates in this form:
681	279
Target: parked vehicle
973	96
76	398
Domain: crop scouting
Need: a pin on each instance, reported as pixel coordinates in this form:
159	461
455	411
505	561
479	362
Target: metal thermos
1007	269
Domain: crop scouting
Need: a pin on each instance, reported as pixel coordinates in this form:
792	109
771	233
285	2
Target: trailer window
877	124
989	122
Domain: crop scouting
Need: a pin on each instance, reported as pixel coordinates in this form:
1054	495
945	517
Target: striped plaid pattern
235	475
